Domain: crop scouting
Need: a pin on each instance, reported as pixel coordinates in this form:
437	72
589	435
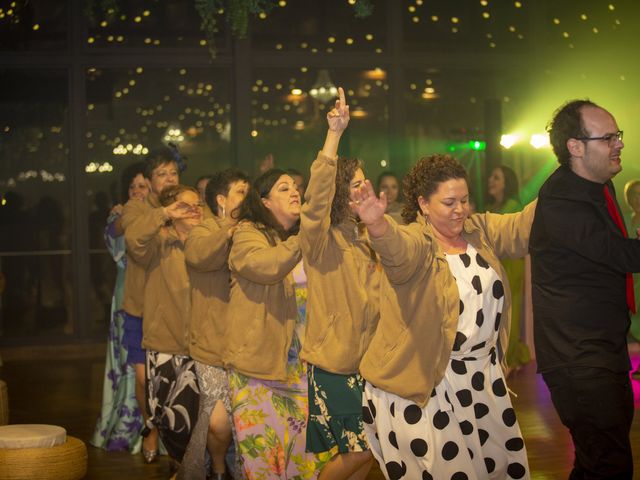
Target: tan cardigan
411	348
133	297
206	252
343	279
167	293
262	309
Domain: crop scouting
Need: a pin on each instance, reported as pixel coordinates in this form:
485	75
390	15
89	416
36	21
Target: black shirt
579	261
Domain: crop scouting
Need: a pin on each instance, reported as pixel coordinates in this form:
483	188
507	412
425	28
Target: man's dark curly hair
565	124
424	178
347	168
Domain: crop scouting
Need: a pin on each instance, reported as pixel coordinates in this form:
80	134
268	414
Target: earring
223	212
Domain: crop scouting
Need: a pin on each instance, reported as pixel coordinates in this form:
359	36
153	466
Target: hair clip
181	160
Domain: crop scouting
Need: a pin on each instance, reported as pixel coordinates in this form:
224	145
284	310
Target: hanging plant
236	12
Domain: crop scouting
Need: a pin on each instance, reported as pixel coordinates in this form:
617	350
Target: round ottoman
41	451
4	403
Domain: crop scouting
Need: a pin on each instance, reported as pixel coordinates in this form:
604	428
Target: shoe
636	375
149	455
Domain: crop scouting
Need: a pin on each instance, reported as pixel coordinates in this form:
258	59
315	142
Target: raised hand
338	116
367	206
181	210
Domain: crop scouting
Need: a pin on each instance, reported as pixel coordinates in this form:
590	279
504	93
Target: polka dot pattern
419	447
412	414
468	428
450	451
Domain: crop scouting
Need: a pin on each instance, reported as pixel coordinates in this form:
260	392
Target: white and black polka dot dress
468	429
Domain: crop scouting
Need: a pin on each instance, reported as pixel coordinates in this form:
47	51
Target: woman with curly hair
435	402
267	378
156	241
343	306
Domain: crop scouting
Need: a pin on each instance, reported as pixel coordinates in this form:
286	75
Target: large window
35	216
131	111
289	108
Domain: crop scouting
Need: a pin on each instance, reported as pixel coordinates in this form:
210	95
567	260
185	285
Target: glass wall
35	217
131	111
87	88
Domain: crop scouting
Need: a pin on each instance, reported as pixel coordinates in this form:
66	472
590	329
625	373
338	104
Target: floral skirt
335	413
172	399
120	420
270	419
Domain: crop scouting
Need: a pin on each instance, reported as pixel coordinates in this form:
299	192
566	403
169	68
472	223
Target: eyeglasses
610	138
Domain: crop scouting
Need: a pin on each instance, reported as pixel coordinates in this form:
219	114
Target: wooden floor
67	393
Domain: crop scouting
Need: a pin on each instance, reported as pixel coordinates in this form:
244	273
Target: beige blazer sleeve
315	218
255	259
207	246
509	233
402	250
142	236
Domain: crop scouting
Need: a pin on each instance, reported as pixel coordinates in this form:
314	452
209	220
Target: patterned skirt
270	419
172	399
214	387
335	413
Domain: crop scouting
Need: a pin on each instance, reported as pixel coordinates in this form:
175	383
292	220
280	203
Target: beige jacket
411	348
133	299
206	252
262	309
343	279
167	292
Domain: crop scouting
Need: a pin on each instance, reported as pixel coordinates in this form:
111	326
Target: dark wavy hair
219	184
253	210
424	178
565	124
158	157
347	167
128	174
511	188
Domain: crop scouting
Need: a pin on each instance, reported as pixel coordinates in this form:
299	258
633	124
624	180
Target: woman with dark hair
435	402
503	191
120	421
344	278
267	312
389	184
156	241
504	197
207	254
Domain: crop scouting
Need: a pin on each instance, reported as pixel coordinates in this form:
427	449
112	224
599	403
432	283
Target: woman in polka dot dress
436	403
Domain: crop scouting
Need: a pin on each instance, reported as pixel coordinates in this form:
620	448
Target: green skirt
335	412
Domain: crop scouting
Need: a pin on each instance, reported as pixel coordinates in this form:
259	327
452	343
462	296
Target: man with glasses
583	291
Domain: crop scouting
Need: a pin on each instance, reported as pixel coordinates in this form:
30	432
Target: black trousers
596	405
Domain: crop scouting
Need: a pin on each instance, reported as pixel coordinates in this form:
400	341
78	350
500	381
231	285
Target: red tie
613	211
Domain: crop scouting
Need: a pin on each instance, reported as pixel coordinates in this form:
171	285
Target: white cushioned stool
41	451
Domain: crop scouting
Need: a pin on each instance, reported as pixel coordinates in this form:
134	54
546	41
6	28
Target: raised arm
253	258
315	216
207	246
509	232
401	249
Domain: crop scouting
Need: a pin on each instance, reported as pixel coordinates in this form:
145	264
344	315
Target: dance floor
67	392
